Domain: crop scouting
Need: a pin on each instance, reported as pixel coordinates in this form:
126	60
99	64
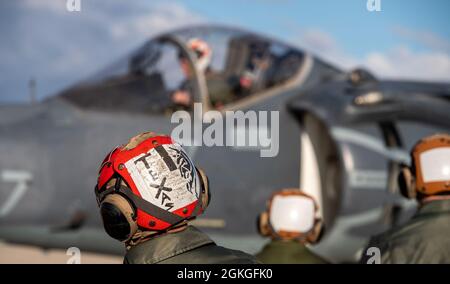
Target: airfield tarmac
22	254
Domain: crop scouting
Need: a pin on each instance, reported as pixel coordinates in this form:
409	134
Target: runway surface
21	254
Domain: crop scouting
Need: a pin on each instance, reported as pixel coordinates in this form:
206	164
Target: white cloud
43	40
54	6
325	46
425	38
318	40
399	62
162	18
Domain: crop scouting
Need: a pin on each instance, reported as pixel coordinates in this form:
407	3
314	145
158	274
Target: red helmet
149	184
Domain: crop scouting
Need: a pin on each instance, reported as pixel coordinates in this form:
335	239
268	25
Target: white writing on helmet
165	177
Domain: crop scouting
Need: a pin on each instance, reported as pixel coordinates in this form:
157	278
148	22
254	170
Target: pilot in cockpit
184	95
252	79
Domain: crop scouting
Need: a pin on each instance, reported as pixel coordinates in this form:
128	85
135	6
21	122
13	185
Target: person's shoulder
412	227
382	243
211	254
398	244
222	255
316	259
135	255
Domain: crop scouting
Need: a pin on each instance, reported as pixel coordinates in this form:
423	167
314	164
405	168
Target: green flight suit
288	252
423	239
190	246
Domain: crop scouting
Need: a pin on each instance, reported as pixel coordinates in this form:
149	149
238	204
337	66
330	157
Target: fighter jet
342	137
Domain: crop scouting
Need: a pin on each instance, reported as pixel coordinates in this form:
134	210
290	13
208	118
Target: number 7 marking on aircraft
22	179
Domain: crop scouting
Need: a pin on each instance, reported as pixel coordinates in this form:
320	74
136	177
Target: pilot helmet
202	51
149	185
291	215
429	174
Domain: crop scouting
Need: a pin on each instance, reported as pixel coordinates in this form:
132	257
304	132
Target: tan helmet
429	173
291	215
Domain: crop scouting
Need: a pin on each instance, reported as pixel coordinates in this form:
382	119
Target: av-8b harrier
342	137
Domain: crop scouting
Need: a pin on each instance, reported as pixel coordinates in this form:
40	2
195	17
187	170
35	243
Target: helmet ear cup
316	233
206	194
119	217
406	183
262	224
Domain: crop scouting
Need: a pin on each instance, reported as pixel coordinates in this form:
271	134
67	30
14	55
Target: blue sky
407	39
346	20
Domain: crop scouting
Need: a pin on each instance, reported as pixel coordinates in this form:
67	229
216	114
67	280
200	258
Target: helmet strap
142	236
432	198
